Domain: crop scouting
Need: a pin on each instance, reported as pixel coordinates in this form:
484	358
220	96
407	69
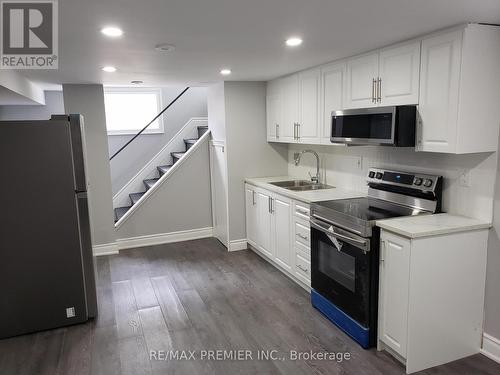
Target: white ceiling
244	35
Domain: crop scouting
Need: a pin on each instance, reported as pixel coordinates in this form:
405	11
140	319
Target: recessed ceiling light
112	31
293	42
225	72
165	47
136	82
109	69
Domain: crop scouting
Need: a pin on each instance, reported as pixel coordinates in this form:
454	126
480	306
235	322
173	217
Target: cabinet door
308	129
282	215
251	214
399	75
439	86
290	95
393	294
273	110
332	88
361	71
264	224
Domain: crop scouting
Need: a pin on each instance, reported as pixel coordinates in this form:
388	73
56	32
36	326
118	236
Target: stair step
134	197
150	182
202	130
176	156
190	142
120	211
162	169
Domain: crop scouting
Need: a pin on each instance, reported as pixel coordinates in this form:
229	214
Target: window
128	110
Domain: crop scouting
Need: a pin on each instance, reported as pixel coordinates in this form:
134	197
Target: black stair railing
153	120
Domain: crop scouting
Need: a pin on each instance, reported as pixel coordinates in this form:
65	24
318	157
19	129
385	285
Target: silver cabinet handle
302	236
303	212
253	197
298	131
277	130
374	82
382	252
299	266
294	130
269	204
379	90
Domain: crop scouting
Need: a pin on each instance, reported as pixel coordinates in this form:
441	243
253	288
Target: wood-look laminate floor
196	296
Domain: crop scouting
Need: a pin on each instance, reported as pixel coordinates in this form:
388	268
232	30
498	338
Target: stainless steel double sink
301	185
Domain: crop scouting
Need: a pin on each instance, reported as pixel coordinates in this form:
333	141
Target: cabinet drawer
303	268
302	210
303	234
302	250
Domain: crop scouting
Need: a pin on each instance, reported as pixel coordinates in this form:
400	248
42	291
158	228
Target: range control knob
417	181
371	174
378	176
427	183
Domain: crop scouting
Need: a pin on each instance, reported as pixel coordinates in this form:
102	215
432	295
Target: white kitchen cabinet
331	96
393	298
290	108
282	214
431	297
399	73
384	78
459	96
308	122
251	213
264	226
362	74
273	111
272	232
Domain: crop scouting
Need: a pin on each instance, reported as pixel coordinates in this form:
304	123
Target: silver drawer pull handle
302	236
303	212
302	268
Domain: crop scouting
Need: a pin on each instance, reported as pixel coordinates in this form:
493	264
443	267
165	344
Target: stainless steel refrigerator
46	264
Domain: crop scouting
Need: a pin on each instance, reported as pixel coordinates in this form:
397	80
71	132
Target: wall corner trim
162	238
237	245
491	347
105	249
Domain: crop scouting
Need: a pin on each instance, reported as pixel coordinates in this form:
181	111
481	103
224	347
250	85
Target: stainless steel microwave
388	126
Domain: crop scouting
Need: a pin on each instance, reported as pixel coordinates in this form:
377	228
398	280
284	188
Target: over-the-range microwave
388	126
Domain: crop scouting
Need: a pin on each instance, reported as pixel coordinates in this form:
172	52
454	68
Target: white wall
88	100
340	167
217	111
17	89
54	104
492	306
130	161
248	153
181	203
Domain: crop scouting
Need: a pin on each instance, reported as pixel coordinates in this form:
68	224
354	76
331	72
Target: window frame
133	90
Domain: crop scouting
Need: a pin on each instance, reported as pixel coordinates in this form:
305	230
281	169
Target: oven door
340	269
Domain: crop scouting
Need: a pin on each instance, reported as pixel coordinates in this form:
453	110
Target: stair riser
174	160
188	145
202	131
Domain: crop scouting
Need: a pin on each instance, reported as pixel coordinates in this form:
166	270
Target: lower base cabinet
278	229
431	297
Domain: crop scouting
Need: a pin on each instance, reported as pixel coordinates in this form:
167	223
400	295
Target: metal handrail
144	128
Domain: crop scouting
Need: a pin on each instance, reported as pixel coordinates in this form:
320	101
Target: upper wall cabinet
331	96
387	77
459	109
293	108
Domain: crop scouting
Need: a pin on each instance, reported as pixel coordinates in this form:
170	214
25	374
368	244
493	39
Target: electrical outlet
359	162
465	179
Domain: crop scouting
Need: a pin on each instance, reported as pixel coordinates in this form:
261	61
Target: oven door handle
328	230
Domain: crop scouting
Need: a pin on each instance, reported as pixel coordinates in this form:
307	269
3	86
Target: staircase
161	169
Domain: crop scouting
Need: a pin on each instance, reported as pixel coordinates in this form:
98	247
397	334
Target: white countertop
431	225
303	196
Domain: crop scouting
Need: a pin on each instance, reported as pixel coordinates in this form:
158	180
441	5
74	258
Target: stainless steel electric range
345	246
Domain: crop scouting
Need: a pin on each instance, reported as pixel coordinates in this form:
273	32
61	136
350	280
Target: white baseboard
237	245
491	347
105	249
158	239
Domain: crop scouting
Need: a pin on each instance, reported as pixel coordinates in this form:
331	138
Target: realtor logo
29	34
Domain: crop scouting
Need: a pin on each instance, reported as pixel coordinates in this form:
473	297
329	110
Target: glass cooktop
367	209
